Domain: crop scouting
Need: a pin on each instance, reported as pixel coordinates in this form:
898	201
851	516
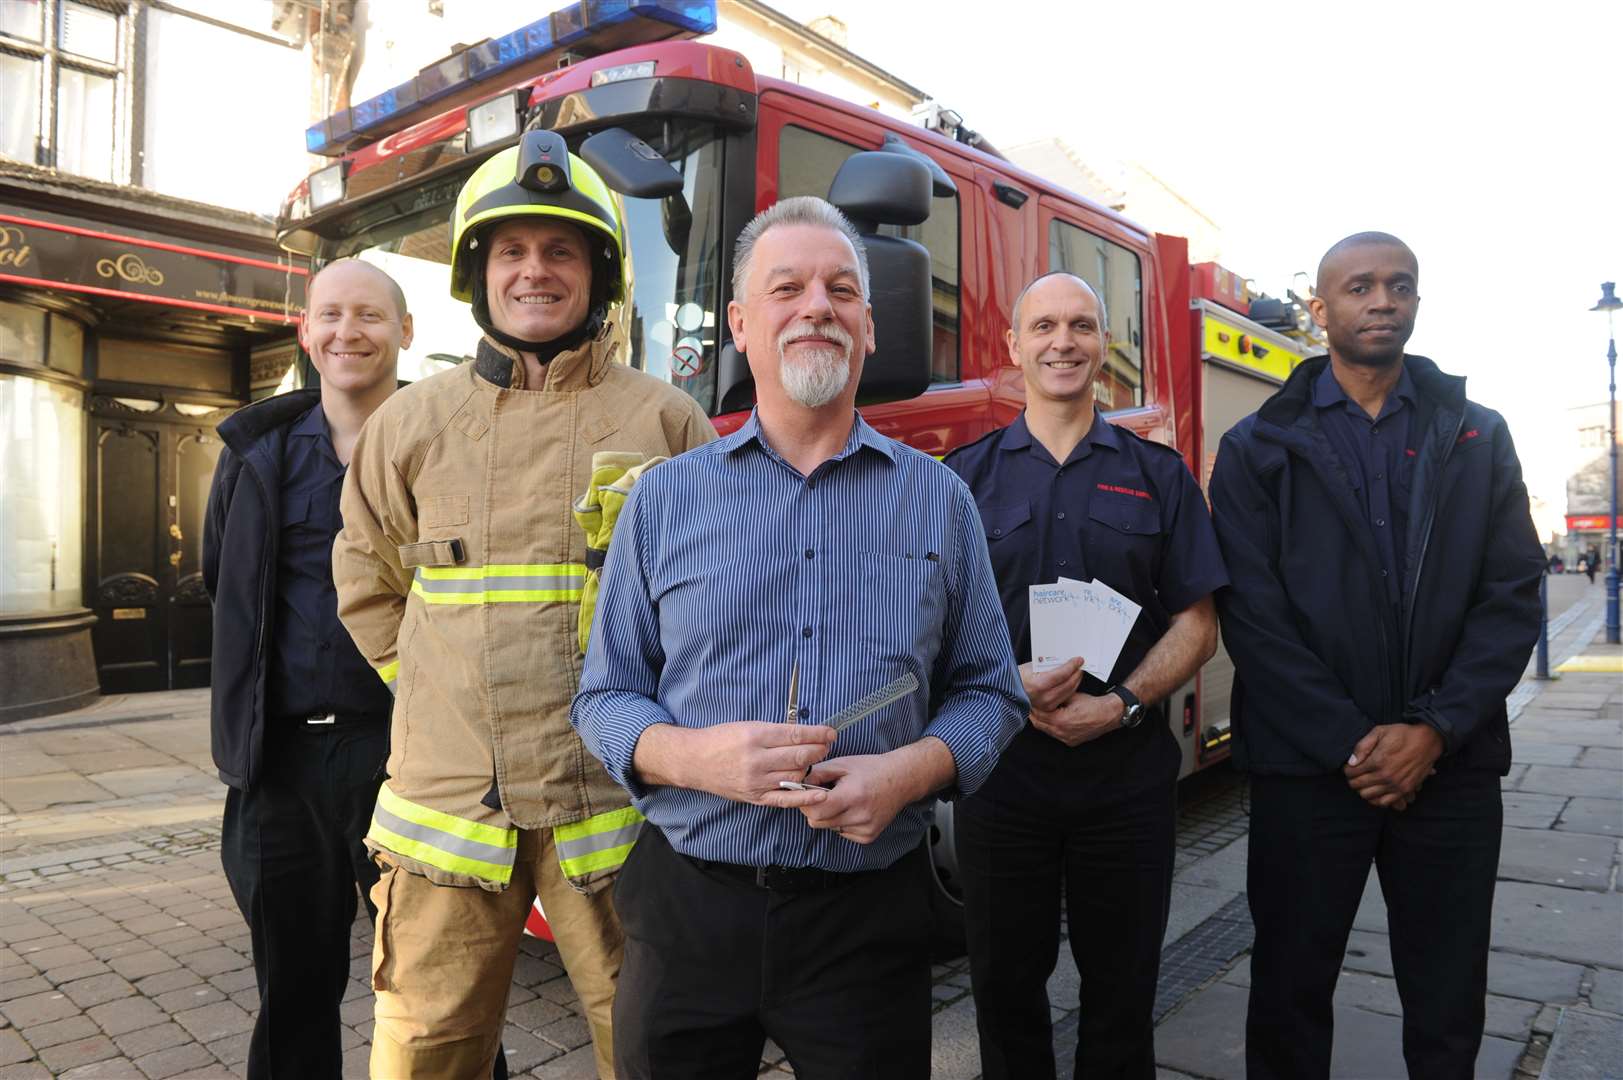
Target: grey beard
817	379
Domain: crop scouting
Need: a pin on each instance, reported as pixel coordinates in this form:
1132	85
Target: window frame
52	59
1052	235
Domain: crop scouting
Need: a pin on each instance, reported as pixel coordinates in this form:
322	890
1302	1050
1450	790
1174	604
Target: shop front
130	326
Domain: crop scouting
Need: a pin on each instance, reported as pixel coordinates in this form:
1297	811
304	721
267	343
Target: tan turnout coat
459	573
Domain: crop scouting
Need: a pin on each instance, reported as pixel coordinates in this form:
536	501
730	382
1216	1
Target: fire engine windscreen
673	266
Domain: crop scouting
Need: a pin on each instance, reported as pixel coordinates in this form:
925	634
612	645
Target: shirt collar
313	423
1327	392
862	434
314	426
1017	436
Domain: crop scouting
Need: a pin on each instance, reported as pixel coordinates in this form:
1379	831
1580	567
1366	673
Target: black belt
781	879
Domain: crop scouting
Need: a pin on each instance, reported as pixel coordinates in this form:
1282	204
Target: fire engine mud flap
946	893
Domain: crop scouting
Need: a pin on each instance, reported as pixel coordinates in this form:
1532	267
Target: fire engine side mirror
878	188
630	166
875	188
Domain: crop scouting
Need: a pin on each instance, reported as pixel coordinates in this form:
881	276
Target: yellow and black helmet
538	178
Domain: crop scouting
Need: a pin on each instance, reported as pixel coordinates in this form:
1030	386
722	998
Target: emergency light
327	186
585	25
496	120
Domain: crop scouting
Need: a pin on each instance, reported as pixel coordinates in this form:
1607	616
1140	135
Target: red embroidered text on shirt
1473	433
1119	490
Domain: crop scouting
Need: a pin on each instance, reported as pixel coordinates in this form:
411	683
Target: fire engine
696	143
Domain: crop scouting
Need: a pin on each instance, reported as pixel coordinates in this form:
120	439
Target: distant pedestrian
300	723
1589	568
1384	602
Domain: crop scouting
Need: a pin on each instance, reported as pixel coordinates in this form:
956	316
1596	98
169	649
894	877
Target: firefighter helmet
538	178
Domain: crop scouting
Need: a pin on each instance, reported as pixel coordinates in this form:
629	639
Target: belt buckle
329	718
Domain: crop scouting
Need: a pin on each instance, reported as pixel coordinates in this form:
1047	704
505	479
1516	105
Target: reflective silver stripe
455	845
499	584
589	845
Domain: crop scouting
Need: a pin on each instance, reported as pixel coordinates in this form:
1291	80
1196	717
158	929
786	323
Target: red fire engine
1191	350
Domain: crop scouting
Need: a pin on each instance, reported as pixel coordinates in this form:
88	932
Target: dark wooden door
149	479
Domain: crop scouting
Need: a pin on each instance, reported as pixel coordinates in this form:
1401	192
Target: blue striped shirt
728	566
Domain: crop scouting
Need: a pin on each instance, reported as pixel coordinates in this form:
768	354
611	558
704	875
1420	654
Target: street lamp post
1609	303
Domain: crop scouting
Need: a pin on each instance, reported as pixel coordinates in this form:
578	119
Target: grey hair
799	210
1104	316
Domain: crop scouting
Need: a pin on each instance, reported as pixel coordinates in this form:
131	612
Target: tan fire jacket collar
573	370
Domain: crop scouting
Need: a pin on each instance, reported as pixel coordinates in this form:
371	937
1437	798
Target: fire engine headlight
496	120
327	186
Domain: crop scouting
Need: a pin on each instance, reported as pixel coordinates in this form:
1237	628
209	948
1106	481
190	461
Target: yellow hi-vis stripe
440	840
500	583
598	843
390	674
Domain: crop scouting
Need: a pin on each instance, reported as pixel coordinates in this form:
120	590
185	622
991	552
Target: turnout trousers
442	964
292	852
1312	842
1113	860
838	976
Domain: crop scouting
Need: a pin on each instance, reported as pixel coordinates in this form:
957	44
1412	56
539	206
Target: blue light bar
571	25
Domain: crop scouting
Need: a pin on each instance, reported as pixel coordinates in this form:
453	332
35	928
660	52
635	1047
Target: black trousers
293	855
1312	842
1114	860
839	977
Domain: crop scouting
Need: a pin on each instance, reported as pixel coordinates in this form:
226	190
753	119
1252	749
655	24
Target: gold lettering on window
14	249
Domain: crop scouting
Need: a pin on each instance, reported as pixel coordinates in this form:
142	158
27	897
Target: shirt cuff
614	740
975	737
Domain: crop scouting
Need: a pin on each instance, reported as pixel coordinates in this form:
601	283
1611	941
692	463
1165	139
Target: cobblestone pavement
122	953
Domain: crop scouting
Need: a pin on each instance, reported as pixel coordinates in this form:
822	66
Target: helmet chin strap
544	351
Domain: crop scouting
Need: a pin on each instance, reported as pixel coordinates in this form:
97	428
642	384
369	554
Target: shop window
189	367
66	351
73	64
807	162
42	446
1115	274
22	334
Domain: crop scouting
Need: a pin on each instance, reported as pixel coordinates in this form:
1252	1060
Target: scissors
793	714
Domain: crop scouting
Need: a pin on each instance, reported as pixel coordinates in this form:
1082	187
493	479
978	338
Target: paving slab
1590	783
1600	757
1546	729
1586	1046
1607	993
1529	752
1530	810
1599	817
1544	920
954	1046
1573	860
1224	869
1506	1017
1206	1035
27	793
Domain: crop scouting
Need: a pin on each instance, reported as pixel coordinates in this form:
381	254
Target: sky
1487	136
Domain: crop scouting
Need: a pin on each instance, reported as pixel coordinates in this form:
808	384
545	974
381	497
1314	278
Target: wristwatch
1135	707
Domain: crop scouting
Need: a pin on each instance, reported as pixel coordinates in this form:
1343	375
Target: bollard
1543	671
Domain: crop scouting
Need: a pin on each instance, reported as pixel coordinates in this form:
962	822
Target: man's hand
1390	763
742	761
869	790
1082	719
1048	690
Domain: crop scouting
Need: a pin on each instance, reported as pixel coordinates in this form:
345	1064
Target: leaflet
1079	618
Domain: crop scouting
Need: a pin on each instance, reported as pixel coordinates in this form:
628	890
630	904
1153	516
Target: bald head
1347	246
353	266
1044	281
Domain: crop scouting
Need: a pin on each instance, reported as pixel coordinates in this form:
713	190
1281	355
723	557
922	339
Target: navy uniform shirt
1378	461
1120	510
315	668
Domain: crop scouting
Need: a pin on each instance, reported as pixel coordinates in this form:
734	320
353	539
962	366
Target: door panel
131	634
151	469
190	616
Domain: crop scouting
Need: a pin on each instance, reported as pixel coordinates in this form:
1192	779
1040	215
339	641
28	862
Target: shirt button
997	532
1060	515
1380	521
804	712
325	645
1380	476
809	553
805	632
1062	562
1374	431
1383	573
